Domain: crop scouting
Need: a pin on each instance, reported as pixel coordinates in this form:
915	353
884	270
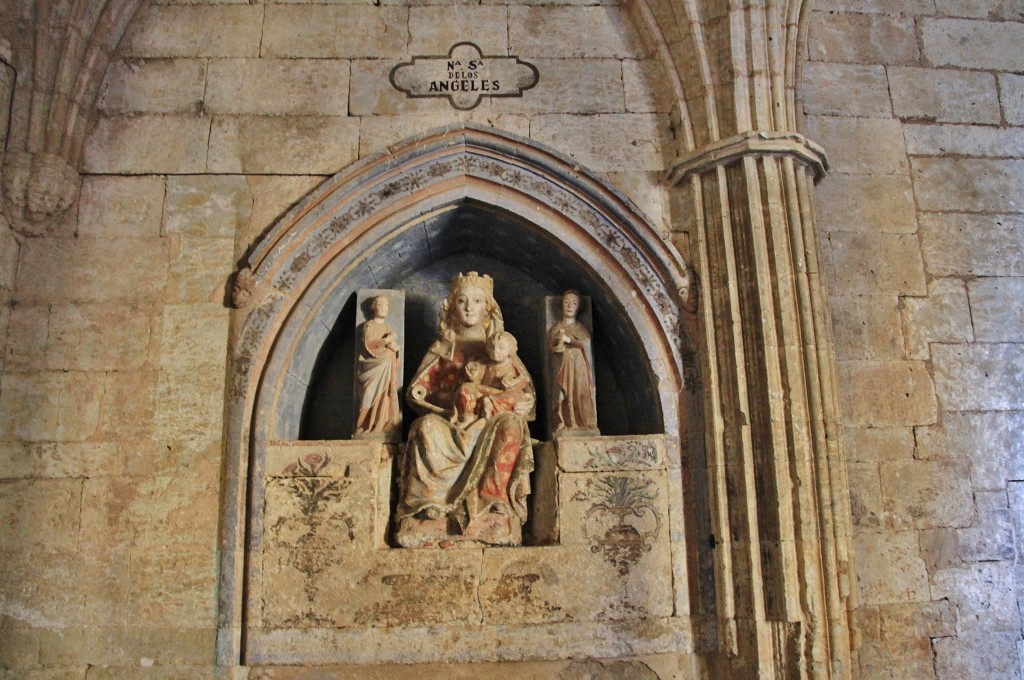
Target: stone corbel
37	189
753	143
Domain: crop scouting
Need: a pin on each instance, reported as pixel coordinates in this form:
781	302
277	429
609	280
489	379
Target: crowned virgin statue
466	470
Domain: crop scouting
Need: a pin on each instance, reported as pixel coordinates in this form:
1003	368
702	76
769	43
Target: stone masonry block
973	245
867	327
967	184
173	589
200	270
897	659
886	393
862	38
964	140
980	377
989	441
271	198
49	406
944	95
93	270
1011	94
647	191
845	90
866	203
207	206
52	460
569	32
148	145
889	568
153	86
909	7
996	309
871	264
373	94
991	537
294	87
120	207
40	514
917	620
432	31
981	9
978	656
642	82
878	443
973	44
943	316
1015	491
75	646
377	133
27	332
323	31
578	86
96	337
865	495
195	31
871	146
126	412
924	494
606	142
282	144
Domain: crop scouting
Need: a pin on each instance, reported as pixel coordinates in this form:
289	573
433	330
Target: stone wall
921	112
216	117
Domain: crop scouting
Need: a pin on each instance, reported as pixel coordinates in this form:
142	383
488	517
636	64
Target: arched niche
458	199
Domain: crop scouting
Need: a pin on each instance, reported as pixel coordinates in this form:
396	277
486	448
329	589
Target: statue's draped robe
573	378
378	381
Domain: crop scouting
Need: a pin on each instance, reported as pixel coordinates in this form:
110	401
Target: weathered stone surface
943	316
27	332
432	31
1011	95
572	86
844	207
845	90
279	144
886	393
909	7
861	145
379	132
991	537
867	326
981	9
981	377
973	44
278	87
97	337
896	660
876	263
969	184
148	145
923	494
207	206
154	86
120	207
566	33
190	392
647	191
195	31
373	94
1015	491
879	443
79	646
940	549
964	140
977	656
333	31
990	441
87	270
917	620
889	567
22	460
642	82
591	454
865	495
200	270
606	142
40	514
49	406
996	311
944	95
862	38
973	245
126	411
173	589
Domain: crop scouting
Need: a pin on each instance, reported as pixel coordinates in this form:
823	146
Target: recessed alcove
422	258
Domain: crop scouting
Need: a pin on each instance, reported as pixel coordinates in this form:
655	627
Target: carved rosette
37	189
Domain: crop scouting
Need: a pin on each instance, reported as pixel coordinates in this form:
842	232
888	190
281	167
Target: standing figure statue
377	374
466	471
572	374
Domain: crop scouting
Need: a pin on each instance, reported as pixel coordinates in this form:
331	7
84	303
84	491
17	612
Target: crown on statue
481	281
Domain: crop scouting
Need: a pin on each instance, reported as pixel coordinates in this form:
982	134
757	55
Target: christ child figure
491	387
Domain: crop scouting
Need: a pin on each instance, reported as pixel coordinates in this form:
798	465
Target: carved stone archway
290	294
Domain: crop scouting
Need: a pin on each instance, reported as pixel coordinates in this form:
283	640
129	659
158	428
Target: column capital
753	143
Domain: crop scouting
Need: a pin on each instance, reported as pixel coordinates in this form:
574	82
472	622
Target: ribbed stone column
776	468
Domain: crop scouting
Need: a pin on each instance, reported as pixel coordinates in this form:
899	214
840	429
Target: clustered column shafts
775	456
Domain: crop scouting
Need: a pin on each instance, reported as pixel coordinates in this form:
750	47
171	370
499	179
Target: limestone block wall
919	105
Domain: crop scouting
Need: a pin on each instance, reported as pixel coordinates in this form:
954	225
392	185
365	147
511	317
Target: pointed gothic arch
397	212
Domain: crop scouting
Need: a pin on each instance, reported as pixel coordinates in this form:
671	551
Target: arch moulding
288	297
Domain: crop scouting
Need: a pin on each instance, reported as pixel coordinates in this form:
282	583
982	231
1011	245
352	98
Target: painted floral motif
621	524
632	453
